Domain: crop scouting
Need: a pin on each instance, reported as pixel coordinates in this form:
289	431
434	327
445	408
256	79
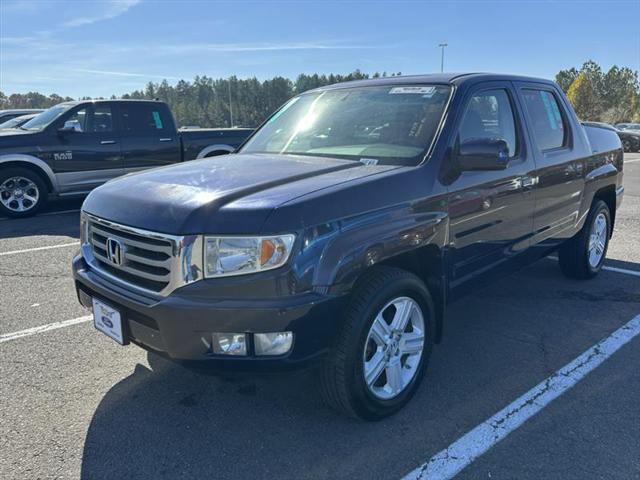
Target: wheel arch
34	164
427	263
608	195
220	147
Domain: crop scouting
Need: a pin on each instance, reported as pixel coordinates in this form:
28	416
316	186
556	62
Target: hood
15	132
232	194
15	137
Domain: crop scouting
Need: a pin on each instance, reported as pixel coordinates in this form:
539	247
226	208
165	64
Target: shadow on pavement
169	422
54	223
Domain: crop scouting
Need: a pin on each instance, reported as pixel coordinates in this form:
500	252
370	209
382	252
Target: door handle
166	139
107	142
528	182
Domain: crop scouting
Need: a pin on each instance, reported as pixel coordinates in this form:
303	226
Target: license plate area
108	320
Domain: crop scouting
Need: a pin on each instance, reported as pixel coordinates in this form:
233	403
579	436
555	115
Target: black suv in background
630	138
76	146
344	226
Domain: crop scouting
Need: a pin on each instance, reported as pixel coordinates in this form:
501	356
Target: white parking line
43	328
450	461
634	273
632	161
26	250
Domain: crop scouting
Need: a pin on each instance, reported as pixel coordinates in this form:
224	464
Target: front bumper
175	326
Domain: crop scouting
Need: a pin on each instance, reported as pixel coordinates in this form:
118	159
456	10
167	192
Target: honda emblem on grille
114	251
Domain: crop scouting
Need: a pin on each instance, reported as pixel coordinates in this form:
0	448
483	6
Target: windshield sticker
157	120
427	91
369	161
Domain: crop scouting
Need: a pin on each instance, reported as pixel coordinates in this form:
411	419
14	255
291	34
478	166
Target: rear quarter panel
604	168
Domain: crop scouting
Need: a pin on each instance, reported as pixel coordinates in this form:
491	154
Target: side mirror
483	154
71	126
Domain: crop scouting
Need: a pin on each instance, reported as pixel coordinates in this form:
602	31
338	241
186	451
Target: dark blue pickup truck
340	231
76	146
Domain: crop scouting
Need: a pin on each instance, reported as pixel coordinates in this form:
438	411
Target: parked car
16	122
17	112
344	226
628	126
630	138
76	146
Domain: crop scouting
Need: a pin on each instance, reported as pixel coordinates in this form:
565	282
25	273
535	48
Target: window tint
143	119
547	122
79	118
489	115
102	119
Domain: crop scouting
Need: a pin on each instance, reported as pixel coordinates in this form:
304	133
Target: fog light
229	343
276	343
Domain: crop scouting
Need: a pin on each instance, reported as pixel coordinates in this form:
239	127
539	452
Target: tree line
612	97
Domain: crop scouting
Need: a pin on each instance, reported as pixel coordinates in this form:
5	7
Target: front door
89	154
491	212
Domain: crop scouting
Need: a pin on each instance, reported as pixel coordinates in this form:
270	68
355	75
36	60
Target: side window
547	123
102	119
489	116
143	119
79	119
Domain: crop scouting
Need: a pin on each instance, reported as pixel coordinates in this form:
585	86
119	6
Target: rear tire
369	375
583	255
22	192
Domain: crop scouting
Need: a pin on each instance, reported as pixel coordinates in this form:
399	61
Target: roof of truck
438	78
104	100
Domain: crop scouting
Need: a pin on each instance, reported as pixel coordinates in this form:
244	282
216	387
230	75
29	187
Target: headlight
226	256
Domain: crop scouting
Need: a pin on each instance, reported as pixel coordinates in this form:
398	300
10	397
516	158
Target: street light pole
442	46
230	106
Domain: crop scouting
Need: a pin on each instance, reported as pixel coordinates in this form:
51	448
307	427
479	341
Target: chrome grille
147	261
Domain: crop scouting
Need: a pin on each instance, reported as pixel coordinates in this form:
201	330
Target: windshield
390	125
40	121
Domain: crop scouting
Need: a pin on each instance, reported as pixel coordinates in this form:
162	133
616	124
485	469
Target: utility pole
442	46
230	106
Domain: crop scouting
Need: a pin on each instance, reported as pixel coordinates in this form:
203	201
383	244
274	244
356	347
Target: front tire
22	192
583	255
379	356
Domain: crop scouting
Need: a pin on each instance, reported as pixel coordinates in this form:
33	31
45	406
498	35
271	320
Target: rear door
491	212
90	155
559	176
149	136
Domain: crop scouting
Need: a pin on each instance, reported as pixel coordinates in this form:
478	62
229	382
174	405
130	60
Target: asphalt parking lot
74	404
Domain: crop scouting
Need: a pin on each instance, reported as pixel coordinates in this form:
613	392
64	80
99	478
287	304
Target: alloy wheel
19	194
598	240
393	348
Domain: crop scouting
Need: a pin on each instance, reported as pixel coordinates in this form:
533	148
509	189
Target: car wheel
379	356
583	255
22	192
626	145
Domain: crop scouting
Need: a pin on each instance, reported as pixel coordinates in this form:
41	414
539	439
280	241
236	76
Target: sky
102	47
